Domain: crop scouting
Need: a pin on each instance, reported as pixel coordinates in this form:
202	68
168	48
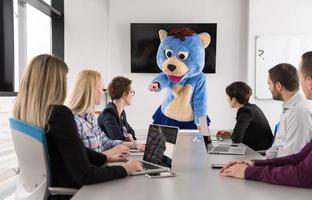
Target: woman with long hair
40	102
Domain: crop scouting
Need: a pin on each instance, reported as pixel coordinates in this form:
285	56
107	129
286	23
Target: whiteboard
274	49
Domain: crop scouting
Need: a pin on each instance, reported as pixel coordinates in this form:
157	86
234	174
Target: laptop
159	149
226	149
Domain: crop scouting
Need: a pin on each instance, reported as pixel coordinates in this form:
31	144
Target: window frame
7	41
55	12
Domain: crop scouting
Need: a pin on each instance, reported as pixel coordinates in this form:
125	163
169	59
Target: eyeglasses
132	92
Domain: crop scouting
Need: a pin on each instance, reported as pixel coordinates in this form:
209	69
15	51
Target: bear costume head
181	53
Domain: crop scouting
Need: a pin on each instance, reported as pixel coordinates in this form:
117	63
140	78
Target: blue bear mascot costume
181	57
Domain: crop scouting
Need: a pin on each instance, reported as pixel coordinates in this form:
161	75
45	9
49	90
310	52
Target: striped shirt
91	134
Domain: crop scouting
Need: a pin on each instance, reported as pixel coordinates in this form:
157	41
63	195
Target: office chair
275	131
276	127
34	179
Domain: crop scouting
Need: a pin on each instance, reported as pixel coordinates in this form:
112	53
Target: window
38	32
27	28
6	48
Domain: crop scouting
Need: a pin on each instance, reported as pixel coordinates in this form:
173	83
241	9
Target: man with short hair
295	129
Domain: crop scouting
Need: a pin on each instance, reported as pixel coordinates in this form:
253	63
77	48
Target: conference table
195	180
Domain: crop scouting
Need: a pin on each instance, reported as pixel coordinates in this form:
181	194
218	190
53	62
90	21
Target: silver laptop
227	149
159	149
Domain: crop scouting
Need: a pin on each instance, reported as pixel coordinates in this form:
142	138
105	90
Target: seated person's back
251	128
63	143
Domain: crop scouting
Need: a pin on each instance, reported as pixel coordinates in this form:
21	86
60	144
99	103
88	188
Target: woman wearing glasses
112	119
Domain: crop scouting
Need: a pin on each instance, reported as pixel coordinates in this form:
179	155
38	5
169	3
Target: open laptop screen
160	144
204	130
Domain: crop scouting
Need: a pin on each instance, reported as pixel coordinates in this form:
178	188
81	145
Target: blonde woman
40	102
86	94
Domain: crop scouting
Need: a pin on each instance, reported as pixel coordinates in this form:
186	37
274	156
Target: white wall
278	17
231	17
86	36
97	35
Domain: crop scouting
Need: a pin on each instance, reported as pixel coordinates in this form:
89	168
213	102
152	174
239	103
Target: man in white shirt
295	129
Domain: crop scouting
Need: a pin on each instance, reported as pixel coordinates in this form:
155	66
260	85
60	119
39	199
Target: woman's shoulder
110	108
61	120
60	108
251	110
250	107
60	111
79	118
254	108
247	109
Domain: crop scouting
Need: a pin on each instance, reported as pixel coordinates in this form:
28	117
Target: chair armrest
262	152
62	191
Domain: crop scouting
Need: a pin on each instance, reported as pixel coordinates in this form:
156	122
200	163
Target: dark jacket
72	164
252	128
111	123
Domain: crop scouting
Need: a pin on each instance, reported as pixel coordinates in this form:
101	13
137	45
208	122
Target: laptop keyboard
147	166
221	149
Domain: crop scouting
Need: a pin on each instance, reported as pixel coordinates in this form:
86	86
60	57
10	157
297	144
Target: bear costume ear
162	34
205	38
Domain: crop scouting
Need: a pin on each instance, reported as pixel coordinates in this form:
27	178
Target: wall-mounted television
145	42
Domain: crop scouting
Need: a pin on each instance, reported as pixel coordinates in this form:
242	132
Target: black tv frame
149	34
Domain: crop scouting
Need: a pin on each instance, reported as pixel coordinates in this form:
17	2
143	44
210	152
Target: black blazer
110	122
252	128
72	164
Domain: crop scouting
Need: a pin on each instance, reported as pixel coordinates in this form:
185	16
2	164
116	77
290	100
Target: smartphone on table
161	175
217	166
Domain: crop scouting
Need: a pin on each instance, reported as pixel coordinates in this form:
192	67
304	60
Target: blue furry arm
163	81
199	103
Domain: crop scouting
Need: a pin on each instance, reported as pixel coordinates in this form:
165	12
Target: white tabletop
195	180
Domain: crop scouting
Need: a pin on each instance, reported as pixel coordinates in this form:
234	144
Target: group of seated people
289	158
112	135
79	143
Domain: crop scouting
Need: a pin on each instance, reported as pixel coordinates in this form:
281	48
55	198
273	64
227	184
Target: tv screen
145	42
